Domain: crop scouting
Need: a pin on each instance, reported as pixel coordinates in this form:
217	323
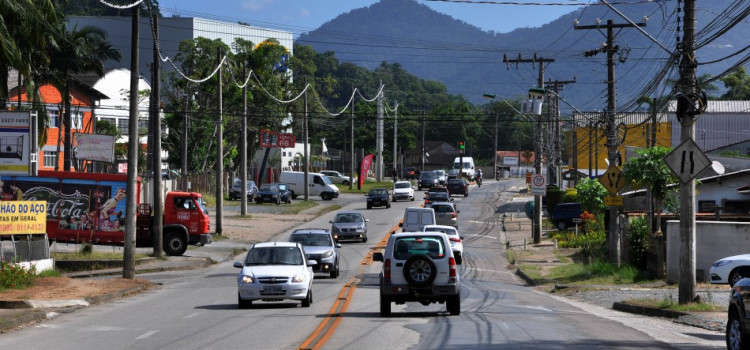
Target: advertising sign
270	138
510	160
95	147
15	143
23	217
364	169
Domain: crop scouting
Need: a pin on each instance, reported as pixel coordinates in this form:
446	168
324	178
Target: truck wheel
294	195
326	196
174	244
385	306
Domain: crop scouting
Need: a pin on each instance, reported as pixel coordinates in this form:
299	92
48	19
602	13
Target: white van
416	218
318	183
468	168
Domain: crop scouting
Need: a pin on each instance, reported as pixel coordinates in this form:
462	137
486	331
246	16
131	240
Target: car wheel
388	205
562	226
735	337
420	271
242	303
419	188
345	183
466	194
385	306
394	199
453	304
278	201
412	198
459	258
335	271
326	196
294	195
308	300
174	244
736	275
369	206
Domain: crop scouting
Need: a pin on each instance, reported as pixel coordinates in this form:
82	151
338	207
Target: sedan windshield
403	185
429	175
312	240
274	256
348	218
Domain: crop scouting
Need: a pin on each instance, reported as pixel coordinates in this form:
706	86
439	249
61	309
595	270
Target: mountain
469	61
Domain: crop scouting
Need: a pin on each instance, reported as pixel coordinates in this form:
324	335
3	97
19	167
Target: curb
525	277
641	310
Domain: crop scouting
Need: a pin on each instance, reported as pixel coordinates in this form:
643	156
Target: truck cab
185	222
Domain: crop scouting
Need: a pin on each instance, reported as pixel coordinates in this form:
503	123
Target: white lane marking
146	335
192	315
540	308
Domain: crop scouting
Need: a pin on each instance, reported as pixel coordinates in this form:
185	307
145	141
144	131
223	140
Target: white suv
418	266
336	177
402	190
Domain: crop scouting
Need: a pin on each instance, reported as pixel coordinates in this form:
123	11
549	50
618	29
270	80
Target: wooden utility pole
128	258
156	145
536	226
220	156
615	244
557	86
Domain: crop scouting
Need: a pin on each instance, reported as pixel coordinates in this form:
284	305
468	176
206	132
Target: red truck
90	207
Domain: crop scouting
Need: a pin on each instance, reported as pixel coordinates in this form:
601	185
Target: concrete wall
713	241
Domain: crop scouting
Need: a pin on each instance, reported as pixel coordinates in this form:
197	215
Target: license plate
272	289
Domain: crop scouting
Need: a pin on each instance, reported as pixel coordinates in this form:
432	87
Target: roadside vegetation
95	255
16	277
369	184
673	305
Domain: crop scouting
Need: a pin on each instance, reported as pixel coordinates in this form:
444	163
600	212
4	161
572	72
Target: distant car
349	225
738	328
269	193
235	193
319	246
274	271
458	186
284	192
378	197
427	179
564	213
433	197
452	174
336	177
442	176
730	270
411	173
445	213
402	190
455	239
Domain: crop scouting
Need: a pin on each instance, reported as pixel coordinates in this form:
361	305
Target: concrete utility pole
686	116
395	140
494	145
307	150
615	241
220	157
156	156
243	144
557	86
351	142
379	143
128	258
422	150
536	226
185	142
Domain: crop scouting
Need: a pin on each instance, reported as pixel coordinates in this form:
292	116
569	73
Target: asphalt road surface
198	309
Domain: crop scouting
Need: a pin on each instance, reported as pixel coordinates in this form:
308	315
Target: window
122	124
76	120
50	159
54	118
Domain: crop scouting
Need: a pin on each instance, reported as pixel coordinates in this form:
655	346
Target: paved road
197	309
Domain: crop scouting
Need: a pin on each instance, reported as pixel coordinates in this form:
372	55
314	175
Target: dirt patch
65	288
262	227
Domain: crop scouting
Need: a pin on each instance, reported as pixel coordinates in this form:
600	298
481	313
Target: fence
19	248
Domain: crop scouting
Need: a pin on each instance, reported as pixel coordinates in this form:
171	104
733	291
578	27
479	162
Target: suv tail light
452	272
454	214
455	239
387	270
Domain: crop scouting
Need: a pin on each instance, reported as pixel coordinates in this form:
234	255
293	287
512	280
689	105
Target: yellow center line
328	326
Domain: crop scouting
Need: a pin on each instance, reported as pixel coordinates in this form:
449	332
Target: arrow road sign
687	160
613	179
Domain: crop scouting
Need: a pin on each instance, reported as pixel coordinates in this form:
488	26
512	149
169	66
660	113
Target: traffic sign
687	160
538	184
613	179
613	201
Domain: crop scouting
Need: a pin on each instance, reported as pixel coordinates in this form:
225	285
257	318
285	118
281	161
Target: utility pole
351	142
421	153
686	112
243	144
557	86
128	253
185	141
494	145
220	157
395	141
156	155
307	151
379	142
537	221
615	239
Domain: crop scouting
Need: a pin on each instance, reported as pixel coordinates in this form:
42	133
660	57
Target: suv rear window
407	247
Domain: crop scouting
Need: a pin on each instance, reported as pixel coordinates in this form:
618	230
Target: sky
299	16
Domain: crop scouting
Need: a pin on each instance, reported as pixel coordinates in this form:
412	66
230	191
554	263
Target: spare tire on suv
418	267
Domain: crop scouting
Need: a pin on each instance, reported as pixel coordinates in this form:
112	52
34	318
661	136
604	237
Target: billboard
509	160
270	138
95	147
23	217
16	135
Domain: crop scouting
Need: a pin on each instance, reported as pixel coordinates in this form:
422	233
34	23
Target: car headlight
361	229
721	263
247	279
298	278
327	254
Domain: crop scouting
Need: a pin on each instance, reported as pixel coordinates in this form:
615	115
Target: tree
649	170
737	84
591	195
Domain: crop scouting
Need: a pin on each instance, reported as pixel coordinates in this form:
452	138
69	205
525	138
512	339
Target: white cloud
255	5
303	12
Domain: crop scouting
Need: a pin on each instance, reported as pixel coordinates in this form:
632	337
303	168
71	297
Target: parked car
336	177
427	179
442	176
349	225
269	193
317	184
411	173
458	186
445	213
318	245
564	213
402	190
378	197
455	239
274	271
235	193
433	197
284	192
418	267
730	270
738	328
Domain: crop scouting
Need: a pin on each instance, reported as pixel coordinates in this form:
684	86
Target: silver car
349	225
445	213
319	246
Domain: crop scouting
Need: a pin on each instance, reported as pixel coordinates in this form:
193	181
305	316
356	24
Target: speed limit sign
538	184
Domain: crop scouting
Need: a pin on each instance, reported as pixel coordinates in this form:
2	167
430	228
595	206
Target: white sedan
402	190
275	271
457	245
730	269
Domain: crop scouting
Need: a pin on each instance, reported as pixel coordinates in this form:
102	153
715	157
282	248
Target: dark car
285	192
378	197
411	173
458	186
269	193
427	179
235	193
319	246
738	327
433	197
564	213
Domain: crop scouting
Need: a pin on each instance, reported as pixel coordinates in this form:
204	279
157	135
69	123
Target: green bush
591	195
552	198
15	277
593	244
570	195
638	240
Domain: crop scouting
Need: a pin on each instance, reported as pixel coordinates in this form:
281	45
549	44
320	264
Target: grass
328	209
596	272
66	256
366	187
669	304
534	272
511	254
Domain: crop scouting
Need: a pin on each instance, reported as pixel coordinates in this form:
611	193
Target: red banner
366	163
270	138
